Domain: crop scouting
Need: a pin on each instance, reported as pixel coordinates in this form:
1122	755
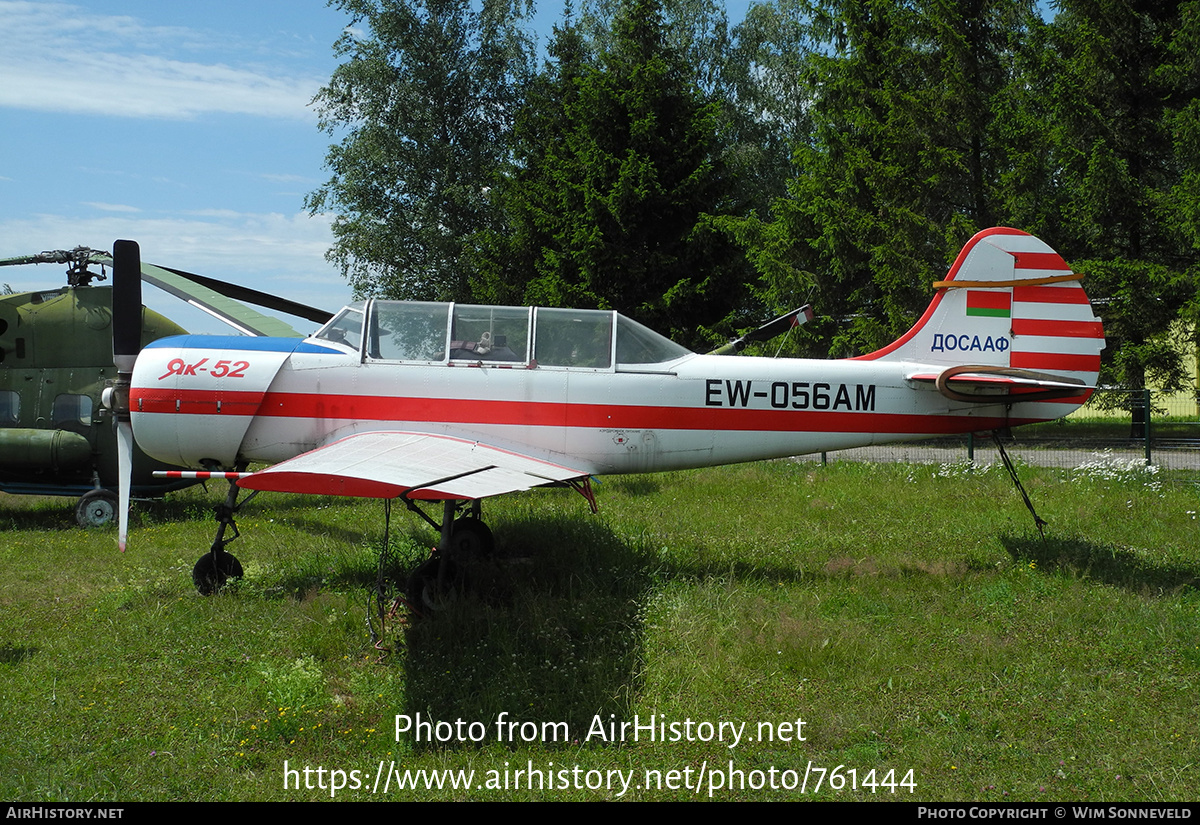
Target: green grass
911	617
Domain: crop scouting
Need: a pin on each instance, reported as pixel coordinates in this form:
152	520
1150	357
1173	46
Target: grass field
932	645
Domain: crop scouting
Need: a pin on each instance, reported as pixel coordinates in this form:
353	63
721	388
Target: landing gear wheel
209	576
424	591
471	539
96	508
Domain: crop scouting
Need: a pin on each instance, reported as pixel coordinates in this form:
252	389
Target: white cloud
111	207
284	178
62	58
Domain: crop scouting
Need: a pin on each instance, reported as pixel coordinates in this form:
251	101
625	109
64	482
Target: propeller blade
127	343
127	305
125	468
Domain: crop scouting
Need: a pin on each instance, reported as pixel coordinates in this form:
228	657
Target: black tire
96	508
209	576
423	591
471	540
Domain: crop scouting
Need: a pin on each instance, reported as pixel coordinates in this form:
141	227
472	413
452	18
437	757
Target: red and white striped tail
1009	301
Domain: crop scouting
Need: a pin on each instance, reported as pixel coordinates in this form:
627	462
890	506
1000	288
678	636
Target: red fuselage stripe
551	414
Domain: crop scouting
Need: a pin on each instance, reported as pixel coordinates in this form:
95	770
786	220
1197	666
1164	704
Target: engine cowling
194	396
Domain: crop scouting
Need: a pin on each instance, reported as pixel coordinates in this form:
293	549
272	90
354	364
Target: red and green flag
989	304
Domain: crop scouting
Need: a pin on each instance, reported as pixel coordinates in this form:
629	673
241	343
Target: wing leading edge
418	466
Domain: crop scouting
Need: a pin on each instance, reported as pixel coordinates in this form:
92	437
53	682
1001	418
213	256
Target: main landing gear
216	567
464	539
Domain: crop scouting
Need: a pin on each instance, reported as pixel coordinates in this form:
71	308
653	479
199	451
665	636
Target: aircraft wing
417	465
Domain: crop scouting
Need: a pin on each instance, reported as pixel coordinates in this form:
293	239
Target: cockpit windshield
638	344
345	327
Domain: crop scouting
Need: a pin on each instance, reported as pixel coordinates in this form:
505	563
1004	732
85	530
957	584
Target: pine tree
618	166
1126	87
902	162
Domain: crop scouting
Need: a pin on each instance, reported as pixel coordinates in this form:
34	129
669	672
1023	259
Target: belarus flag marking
989	304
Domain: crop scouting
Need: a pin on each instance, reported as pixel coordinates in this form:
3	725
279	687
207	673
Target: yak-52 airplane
429	402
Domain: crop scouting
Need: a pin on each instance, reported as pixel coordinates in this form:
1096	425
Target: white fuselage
271	404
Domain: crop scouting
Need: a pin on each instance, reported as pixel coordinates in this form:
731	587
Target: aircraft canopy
430	332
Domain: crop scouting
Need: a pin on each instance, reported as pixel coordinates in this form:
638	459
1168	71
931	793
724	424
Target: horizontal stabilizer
989	384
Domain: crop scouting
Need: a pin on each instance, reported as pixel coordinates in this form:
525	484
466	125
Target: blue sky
183	126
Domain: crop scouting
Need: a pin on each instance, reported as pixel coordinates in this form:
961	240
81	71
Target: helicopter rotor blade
127	343
780	325
253	296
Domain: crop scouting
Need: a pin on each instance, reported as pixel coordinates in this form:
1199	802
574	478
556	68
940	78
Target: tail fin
1010	319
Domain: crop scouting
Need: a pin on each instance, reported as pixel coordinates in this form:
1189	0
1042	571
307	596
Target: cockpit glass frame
573	338
345	328
435	332
410	331
490	334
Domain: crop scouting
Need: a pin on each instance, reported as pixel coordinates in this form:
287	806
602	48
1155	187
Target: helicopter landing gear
216	567
96	508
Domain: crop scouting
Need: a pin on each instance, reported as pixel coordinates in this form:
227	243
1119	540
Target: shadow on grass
58	512
49	514
1107	564
349	561
550	631
634	485
15	654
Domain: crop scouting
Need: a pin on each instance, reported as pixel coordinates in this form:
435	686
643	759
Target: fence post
970	446
1146	402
